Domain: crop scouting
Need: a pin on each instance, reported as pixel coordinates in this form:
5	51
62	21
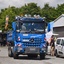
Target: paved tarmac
4	59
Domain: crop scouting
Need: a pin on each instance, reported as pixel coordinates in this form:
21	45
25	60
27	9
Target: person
52	45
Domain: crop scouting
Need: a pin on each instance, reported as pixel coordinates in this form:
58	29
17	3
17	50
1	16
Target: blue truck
27	37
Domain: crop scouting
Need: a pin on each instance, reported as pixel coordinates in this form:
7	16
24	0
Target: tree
30	8
51	13
48	12
60	9
11	15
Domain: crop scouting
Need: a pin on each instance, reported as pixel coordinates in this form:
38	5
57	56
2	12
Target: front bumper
30	50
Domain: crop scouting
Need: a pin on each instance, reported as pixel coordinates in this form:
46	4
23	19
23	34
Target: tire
10	54
42	56
57	54
15	56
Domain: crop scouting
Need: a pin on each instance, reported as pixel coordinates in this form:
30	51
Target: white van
59	47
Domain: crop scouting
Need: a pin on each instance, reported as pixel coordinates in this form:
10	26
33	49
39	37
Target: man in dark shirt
52	46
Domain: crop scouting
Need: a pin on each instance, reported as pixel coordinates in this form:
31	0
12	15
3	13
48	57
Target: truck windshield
32	27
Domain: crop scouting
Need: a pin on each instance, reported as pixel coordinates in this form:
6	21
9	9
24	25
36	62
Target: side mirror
48	29
50	26
14	26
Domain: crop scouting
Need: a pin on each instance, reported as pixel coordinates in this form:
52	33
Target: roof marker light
26	15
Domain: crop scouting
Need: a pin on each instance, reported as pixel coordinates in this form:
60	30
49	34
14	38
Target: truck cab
28	37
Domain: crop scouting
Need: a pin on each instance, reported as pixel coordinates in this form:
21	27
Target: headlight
44	47
18	38
19	44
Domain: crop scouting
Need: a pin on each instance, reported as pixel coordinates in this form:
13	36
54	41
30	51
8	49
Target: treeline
51	13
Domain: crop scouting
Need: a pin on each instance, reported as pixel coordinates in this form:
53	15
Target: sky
19	3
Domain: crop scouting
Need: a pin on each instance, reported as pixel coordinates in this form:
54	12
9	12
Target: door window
62	43
58	41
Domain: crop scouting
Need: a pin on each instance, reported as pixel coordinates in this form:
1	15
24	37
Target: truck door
62	47
58	45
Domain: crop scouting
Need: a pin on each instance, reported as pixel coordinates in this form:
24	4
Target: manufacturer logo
32	40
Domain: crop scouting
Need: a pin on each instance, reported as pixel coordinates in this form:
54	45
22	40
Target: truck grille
35	43
32	44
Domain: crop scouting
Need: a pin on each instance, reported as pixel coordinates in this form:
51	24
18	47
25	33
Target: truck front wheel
15	56
10	54
42	56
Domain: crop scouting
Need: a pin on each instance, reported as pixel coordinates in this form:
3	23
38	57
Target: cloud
19	3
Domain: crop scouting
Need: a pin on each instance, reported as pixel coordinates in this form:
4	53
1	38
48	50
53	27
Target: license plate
19	48
32	49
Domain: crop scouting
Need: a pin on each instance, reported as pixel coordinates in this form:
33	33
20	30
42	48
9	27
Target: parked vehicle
59	47
27	37
3	39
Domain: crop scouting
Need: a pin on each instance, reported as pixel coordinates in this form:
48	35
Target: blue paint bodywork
24	40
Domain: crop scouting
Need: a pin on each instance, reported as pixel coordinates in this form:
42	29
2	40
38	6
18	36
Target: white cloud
19	3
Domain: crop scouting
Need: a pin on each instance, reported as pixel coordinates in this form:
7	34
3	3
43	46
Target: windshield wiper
39	30
25	31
